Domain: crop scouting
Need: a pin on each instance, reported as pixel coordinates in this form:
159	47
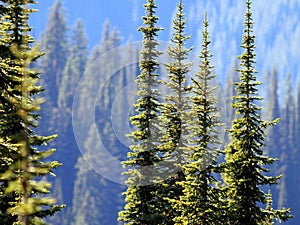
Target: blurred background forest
76	33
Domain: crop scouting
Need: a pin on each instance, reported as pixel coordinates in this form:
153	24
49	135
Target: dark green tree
25	173
22	155
201	200
174	116
245	166
141	205
8	81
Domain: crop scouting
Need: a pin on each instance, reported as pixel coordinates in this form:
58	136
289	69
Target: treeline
180	136
92	199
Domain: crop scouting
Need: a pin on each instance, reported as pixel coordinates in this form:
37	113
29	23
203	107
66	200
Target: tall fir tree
141	205
174	116
8	81
22	151
245	165
201	200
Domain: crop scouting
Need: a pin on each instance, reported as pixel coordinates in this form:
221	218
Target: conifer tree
245	165
54	42
286	158
89	187
174	115
274	136
141	206
90	202
297	153
232	76
200	202
74	67
272	112
287	187
7	83
269	220
61	118
21	149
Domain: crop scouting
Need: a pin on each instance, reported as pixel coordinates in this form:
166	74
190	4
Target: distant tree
174	116
141	206
201	199
272	112
245	165
296	201
286	142
61	118
55	43
96	200
232	76
90	202
290	162
75	66
23	166
273	139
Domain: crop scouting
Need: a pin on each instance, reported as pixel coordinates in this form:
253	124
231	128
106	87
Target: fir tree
90	201
269	220
297	153
54	42
232	76
289	165
272	112
273	139
174	116
61	118
75	66
21	149
200	202
245	165
141	206
8	81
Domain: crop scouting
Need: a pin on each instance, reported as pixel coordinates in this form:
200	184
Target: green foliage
22	157
141	207
245	165
174	118
201	202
